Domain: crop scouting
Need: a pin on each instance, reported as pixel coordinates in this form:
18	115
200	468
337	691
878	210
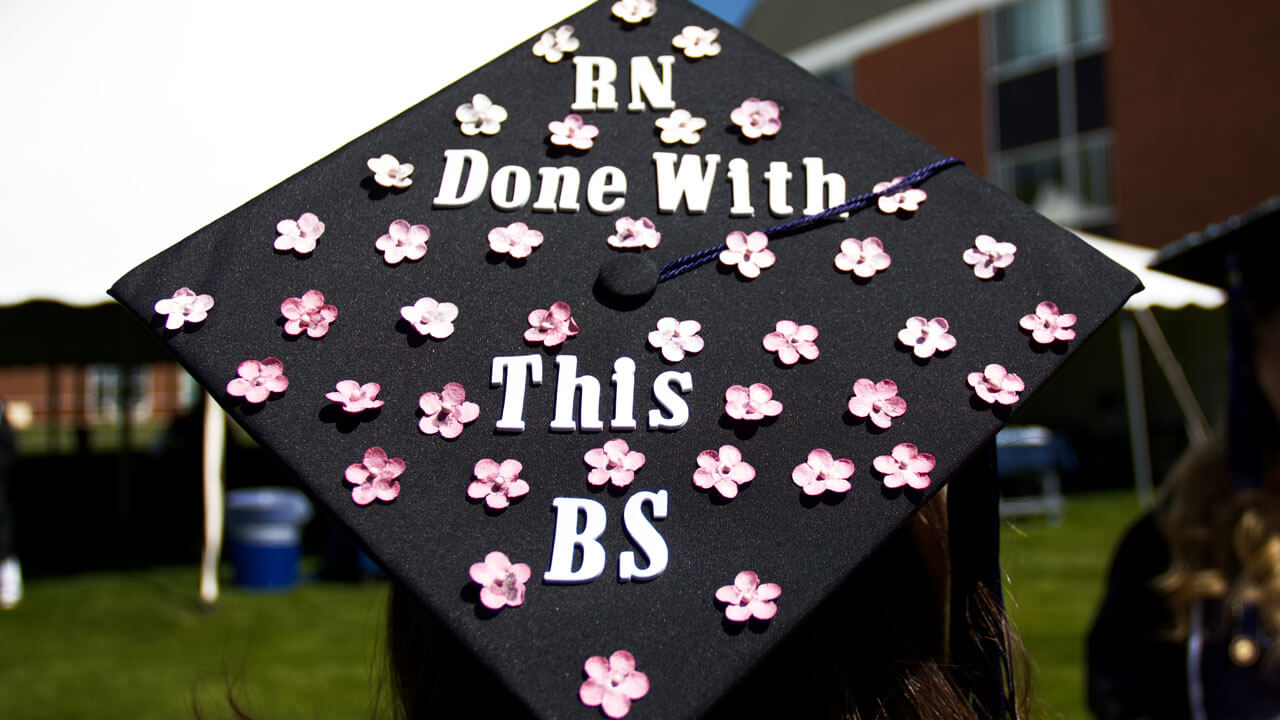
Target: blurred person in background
10	570
1189	623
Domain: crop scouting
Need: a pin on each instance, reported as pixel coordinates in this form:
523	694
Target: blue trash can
264	536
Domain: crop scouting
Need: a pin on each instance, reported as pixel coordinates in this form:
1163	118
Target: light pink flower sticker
496	483
1048	325
676	338
823	473
184	307
792	342
753	403
757	118
431	318
638	233
501	581
863	258
615	463
724	471
750	253
517	240
403	242
749	598
555	44
309	313
390	172
375	477
573	132
258	379
552	326
613	682
481	115
995	385
989	255
356	398
905	466
877	401
681	126
697	42
299	235
634	11
446	412
926	337
907	200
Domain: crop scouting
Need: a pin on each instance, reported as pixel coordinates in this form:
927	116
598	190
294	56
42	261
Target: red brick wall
931	84
1195	111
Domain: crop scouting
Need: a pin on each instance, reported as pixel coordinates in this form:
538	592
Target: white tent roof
1162	289
125	127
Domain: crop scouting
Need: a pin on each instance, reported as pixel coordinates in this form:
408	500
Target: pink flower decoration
614	463
501	582
552	326
639	233
258	380
517	240
390	172
676	338
431	318
792	342
356	398
723	470
925	337
403	242
375	478
862	257
996	385
184	307
753	403
750	253
1047	324
299	235
877	401
748	598
906	466
613	682
988	255
908	199
573	132
309	313
447	411
497	483
822	473
757	117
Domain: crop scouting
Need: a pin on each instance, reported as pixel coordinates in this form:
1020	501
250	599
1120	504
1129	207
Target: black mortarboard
488	258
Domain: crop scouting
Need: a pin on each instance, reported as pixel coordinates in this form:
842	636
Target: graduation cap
626	350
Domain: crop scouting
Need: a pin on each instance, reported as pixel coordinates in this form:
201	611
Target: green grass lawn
136	645
1055	581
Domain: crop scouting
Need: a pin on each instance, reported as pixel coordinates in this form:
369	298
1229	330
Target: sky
734	11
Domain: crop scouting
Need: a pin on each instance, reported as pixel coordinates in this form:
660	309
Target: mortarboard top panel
430	533
1251	235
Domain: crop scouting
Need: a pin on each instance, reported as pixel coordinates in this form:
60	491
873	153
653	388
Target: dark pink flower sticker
996	385
614	463
552	326
445	412
823	473
989	255
356	398
1047	324
638	233
375	478
258	379
723	470
757	118
612	683
299	235
905	466
496	483
879	402
749	598
308	313
501	581
753	403
792	342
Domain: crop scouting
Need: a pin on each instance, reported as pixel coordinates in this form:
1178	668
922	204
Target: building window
104	386
1049	142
